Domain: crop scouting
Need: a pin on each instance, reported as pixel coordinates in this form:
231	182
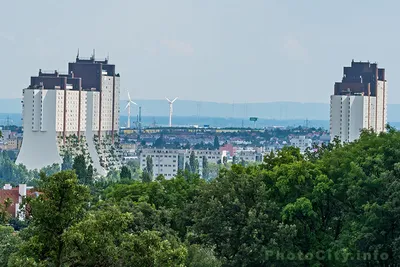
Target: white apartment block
81	103
167	162
301	142
359	102
350	114
247	155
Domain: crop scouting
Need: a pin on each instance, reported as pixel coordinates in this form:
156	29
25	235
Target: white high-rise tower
82	104
359	102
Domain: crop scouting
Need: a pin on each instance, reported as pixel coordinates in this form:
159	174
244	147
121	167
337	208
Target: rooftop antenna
77	55
94	54
170	109
128	106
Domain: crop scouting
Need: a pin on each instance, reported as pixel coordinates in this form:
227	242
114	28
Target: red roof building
228	147
16	195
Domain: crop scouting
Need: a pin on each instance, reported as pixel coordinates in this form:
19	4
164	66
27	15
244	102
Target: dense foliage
338	206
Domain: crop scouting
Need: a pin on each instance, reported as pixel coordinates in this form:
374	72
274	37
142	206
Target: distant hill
281	111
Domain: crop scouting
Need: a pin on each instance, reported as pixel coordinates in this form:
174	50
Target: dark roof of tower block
84	73
55	80
91	71
360	78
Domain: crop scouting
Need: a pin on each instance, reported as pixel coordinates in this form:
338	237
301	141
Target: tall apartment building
83	103
359	102
167	162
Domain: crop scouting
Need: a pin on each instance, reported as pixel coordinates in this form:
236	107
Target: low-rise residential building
249	155
301	142
128	147
246	155
12	144
167	162
230	148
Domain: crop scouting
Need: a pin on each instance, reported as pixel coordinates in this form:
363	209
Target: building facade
301	142
82	103
359	102
249	155
167	162
16	195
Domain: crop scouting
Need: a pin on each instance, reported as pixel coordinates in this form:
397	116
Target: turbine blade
129	96
168	100
174	100
133	103
127	105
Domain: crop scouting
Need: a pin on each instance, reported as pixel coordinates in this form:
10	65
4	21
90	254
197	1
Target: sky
232	51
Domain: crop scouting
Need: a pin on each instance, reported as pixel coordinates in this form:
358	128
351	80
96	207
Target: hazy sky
208	50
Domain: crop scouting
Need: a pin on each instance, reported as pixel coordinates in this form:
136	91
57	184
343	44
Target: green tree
125	173
60	205
149	249
67	162
205	170
51	169
213	170
242	162
5	216
80	168
216	142
146	178
147	174
95	240
240	201
187	167
234	160
9	242
134	168
149	166
201	257
159	143
193	163
89	175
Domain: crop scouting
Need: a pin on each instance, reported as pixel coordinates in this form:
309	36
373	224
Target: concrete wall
91	127
39	146
351	114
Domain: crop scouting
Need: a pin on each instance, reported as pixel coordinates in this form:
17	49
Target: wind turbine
128	106
170	110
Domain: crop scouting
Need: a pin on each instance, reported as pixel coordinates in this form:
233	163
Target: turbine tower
170	110
128	106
